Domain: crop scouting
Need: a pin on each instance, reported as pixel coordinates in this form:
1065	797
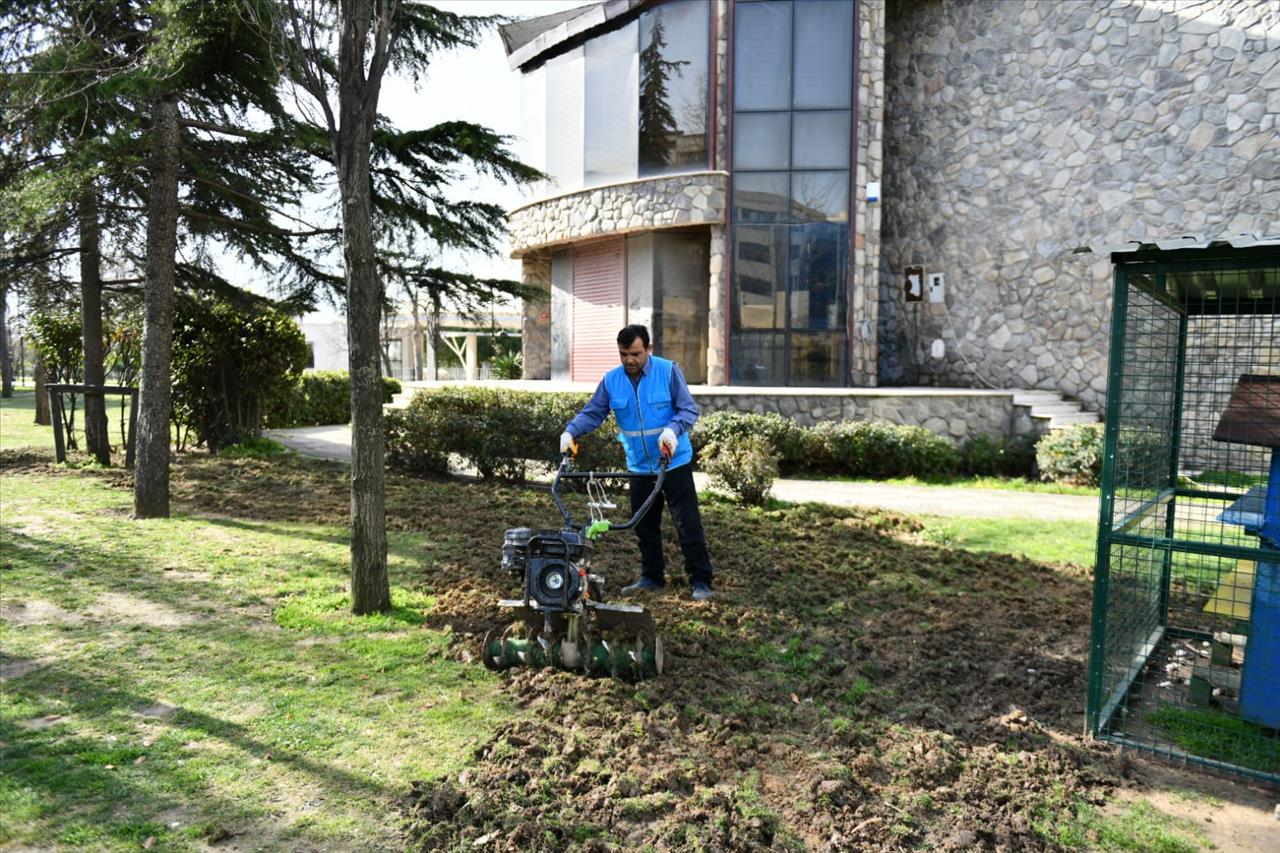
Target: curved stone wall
668	201
1019	130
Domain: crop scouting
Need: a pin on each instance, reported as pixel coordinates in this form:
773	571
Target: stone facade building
754	179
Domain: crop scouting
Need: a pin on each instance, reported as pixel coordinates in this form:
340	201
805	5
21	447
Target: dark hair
629	333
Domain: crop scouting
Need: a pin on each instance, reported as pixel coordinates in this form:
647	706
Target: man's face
634	356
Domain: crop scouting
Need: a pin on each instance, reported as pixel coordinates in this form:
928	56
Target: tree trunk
151	476
44	417
6	357
96	437
370	588
416	337
433	343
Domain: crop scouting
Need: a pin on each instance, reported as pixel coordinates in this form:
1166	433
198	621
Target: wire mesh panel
1186	623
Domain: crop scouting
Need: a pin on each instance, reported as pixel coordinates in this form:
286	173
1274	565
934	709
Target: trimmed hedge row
498	432
501	433
321	398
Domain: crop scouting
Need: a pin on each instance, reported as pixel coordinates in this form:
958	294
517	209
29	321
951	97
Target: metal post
1106	504
55	412
1175	449
133	427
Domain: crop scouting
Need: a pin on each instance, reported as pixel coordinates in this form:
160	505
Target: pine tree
395	209
658	126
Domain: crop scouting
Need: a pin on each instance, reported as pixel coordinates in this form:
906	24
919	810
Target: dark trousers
682	499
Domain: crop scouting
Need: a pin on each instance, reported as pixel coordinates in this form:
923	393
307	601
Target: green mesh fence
1186	614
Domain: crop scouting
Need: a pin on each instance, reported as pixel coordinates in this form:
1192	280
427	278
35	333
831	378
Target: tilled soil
849	688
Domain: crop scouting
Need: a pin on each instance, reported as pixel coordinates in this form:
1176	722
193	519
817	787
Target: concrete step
1061	407
1032	398
1065	420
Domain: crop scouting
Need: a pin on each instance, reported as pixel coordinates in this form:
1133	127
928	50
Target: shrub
984	456
745	465
498	432
508	366
321	398
880	450
1071	455
230	364
791	443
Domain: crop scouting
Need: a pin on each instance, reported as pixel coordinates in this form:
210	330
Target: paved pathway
334	442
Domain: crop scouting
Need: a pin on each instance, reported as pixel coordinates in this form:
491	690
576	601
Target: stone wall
669	201
957	414
866	215
535	341
1016	131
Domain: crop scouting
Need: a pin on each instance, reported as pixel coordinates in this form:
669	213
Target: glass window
760	277
820	196
820	140
761	140
674	88
817	359
761	197
819	272
612	115
681	261
762	56
757	358
564	121
824	53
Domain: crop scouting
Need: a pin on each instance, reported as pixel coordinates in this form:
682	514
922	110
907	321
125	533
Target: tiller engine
562	618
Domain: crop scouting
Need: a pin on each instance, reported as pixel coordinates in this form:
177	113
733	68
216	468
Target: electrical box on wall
937	287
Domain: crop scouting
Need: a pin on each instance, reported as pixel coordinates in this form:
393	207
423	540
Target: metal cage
1185	648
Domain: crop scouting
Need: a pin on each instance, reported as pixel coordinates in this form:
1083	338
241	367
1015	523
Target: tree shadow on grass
103	788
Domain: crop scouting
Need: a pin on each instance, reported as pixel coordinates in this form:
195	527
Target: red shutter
598	314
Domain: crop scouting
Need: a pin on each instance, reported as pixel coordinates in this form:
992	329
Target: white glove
667	441
566	442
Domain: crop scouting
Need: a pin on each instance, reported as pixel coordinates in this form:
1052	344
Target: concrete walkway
334	442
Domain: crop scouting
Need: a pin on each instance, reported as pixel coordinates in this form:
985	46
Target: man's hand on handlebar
667	442
567	444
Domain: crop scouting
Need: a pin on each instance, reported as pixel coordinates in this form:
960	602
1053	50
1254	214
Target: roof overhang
529	40
1177	241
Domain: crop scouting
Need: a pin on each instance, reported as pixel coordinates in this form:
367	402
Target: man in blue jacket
651	402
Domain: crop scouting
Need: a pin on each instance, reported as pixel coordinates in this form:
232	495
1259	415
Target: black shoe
642	585
702	592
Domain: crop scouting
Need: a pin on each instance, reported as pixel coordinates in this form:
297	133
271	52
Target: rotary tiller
562	618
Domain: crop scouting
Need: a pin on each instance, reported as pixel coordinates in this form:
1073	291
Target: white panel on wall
531	147
564	133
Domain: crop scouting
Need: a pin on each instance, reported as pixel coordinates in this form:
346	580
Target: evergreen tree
394	207
658	127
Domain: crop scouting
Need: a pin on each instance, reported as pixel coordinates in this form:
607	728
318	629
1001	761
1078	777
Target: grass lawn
19	429
1041	541
198	680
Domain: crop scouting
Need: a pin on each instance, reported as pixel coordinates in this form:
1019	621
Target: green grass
1212	734
1042	541
19	429
201	678
1014	484
1139	827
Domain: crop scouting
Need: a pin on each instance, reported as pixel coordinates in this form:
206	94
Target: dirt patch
1234	816
16	667
118	607
37	612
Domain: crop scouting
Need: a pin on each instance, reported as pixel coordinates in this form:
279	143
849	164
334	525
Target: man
651	402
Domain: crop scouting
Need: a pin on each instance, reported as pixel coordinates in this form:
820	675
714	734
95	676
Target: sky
474	85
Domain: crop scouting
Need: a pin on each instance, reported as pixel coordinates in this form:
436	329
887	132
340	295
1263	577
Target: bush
321	398
508	366
1071	455
984	456
745	465
880	450
230	364
498	432
791	443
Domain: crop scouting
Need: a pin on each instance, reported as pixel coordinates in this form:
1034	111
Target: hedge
320	398
503	433
498	432
1071	455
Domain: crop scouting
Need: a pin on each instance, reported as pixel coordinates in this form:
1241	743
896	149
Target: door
599	293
